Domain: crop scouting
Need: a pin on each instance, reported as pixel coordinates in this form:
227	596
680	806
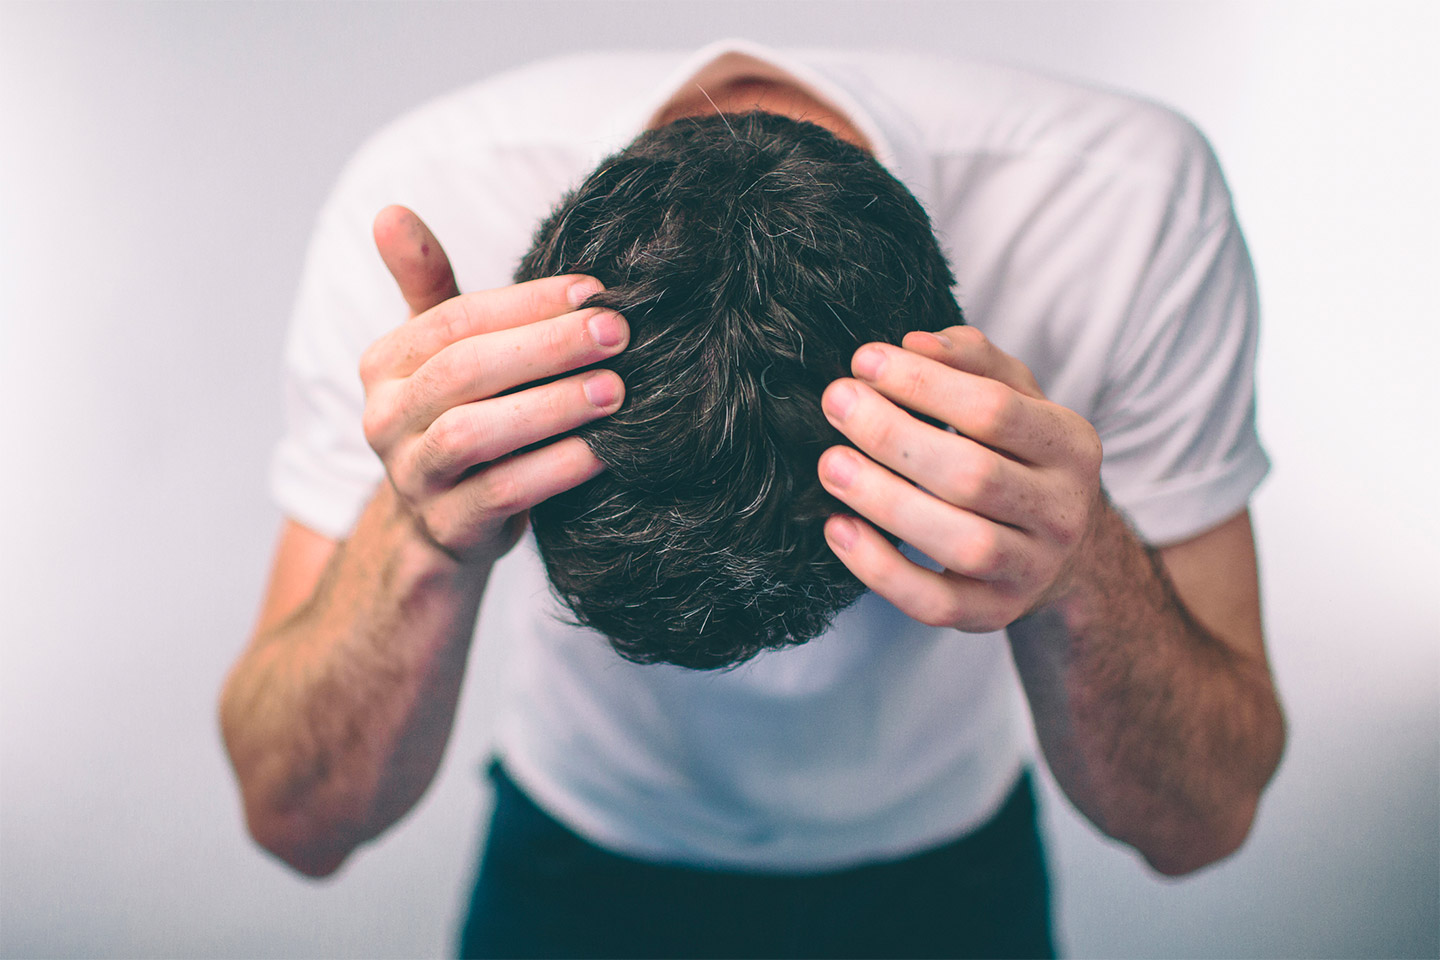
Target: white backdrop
159	170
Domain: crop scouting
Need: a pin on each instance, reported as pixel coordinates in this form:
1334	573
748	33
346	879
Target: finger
957	539
479	506
402	351
414	258
980	407
483	432
938	599
966	348
483	366
954	468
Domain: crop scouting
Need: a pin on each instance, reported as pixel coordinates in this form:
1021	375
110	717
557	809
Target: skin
1145	670
337	714
742	94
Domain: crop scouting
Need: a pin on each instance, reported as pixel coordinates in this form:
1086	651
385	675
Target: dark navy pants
542	891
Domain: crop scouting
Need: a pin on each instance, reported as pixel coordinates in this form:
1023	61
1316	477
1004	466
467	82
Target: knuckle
1064	530
378	422
452	435
914	379
560	405
438	525
461	362
562	339
409	492
877	424
542	412
1013	609
1067	527
373	429
987	614
410	481
498	492
979	553
885	435
969	338
940	610
994	405
474	360
991	622
372	363
459	316
975	480
431	373
534	303
1091	450
448	363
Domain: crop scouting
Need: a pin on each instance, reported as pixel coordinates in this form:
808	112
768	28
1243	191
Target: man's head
751	255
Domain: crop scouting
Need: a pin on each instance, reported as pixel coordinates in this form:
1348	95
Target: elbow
293	838
310	856
1201	848
310	845
1207	841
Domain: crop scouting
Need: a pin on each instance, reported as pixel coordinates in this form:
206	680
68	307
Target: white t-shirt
1093	237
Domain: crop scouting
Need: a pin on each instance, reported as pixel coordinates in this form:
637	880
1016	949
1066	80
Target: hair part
751	255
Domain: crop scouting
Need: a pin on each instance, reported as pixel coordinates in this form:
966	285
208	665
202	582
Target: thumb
966	348
415	259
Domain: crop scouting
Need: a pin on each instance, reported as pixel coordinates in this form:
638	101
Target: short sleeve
322	471
1177	414
481	180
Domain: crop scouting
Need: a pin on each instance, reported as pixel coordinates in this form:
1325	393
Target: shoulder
962	104
559	103
524	118
484	163
961	111
1068	211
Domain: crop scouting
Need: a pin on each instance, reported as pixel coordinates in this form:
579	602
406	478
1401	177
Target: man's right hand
337	714
441	405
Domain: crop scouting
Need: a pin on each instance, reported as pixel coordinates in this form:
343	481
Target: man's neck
745	94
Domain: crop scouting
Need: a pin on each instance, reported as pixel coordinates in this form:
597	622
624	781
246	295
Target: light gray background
159	170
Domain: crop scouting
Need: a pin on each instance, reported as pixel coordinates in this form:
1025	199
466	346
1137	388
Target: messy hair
751	255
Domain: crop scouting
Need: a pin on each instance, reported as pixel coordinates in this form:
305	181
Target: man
863	793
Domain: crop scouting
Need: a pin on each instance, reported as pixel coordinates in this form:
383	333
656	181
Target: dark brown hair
751	254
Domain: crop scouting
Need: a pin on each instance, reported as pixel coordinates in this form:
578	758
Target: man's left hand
1004	503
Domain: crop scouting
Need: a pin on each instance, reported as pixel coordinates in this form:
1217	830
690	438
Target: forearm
1161	726
336	719
1161	731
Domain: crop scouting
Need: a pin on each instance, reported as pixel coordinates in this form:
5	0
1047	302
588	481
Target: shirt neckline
733	58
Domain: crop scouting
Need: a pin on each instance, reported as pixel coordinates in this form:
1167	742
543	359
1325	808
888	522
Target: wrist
1110	559
414	557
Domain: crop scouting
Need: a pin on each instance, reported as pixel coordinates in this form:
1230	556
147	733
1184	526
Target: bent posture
863	792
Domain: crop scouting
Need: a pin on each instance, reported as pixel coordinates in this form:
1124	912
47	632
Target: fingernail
601	389
868	362
607	327
943	340
842	531
839	400
840	468
582	290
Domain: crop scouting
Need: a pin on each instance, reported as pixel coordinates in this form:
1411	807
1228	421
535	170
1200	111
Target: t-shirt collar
725	60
